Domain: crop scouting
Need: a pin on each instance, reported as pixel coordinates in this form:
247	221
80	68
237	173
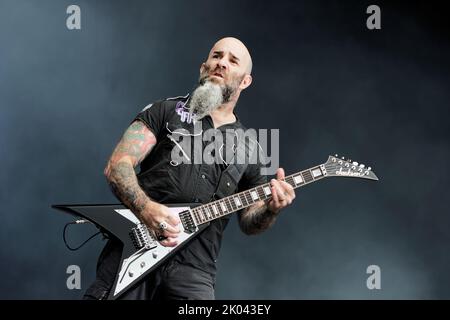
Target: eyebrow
234	57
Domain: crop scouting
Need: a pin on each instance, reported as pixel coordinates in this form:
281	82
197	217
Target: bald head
237	49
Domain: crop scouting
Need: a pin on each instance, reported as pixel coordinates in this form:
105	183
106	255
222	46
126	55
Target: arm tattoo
134	146
124	184
256	219
136	143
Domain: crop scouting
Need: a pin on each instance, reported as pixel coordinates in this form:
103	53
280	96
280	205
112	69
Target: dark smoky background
328	83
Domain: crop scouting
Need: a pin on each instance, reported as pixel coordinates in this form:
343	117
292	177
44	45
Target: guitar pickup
187	221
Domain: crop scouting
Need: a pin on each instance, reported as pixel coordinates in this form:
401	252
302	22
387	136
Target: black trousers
171	281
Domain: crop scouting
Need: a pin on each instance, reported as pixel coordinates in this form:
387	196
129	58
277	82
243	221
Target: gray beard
207	97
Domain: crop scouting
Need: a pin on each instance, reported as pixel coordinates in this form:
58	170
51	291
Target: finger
173	219
168	228
170	234
288	189
169	242
280	174
276	204
173	230
274	192
279	190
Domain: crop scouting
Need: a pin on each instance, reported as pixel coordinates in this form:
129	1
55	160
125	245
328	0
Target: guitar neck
222	207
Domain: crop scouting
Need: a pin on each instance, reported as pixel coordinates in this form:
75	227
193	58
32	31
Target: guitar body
136	261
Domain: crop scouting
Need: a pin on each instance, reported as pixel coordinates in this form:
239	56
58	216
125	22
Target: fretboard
219	208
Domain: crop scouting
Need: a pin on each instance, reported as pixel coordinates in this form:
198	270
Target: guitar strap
232	174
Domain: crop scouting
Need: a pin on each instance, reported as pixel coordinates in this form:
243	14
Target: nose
222	63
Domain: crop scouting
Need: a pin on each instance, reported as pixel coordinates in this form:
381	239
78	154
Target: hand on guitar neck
282	193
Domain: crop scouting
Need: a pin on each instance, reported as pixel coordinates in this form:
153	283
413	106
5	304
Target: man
149	142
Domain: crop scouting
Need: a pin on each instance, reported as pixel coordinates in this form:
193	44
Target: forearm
256	219
135	144
262	215
124	184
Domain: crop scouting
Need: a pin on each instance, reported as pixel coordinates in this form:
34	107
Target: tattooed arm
261	216
135	145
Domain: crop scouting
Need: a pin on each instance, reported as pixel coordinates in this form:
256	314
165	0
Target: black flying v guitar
142	253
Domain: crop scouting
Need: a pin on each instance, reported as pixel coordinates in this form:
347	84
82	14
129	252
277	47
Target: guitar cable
81	221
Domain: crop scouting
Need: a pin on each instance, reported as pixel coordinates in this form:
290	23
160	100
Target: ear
202	67
247	81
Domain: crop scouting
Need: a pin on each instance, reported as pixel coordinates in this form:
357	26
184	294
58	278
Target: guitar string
198	214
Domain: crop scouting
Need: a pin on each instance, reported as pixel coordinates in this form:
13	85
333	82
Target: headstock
341	167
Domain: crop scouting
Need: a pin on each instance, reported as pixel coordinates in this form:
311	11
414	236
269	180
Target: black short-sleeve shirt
167	181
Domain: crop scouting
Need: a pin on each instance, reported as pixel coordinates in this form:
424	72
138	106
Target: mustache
205	74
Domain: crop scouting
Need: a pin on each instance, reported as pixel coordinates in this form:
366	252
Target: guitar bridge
141	237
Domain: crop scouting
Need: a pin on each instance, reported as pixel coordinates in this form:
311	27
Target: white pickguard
141	261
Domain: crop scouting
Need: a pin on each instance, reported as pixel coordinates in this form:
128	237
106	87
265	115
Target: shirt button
203	176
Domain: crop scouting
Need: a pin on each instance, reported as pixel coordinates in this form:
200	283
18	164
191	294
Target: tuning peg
355	163
349	160
361	166
343	158
336	155
369	168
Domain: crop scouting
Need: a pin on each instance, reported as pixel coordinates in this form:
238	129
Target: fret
307	176
290	180
204	217
298	179
214	210
222	205
264	195
219	208
260	192
227	203
248	197
196	215
233	205
237	201
201	214
316	172
254	195
193	215
267	191
243	199
208	212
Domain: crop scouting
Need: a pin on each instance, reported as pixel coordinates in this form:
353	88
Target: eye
233	61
